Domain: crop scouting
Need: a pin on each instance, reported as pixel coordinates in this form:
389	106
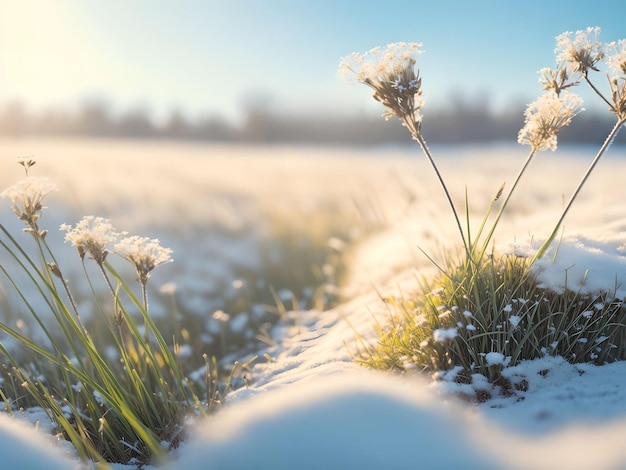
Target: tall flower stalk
390	72
483	307
145	254
578	55
127	405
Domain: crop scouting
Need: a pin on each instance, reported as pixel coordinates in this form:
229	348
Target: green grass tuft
479	319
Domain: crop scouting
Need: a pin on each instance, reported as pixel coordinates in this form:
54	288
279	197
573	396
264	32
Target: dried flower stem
598	92
420	140
607	143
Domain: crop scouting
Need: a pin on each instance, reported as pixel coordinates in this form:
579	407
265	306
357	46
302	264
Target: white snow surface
311	407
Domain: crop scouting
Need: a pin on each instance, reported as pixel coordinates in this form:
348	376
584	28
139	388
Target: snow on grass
308	405
586	265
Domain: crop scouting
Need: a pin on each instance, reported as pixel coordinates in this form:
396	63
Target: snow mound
372	420
22	448
582	264
355	420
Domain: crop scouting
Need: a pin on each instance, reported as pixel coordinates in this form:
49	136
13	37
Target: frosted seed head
581	51
390	72
27	196
144	253
91	236
545	117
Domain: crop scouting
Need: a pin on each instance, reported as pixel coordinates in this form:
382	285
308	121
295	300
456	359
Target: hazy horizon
204	57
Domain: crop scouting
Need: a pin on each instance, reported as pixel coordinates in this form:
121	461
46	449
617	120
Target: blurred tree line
460	122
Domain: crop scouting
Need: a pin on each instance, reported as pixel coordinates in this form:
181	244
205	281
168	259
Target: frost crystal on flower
616	60
91	236
390	72
144	253
557	80
582	52
545	117
27	196
616	57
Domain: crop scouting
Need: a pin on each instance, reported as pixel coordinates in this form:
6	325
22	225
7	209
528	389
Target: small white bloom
616	57
91	236
545	117
144	253
27	196
582	51
390	72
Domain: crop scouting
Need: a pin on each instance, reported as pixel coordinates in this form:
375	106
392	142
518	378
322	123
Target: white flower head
582	51
27	196
616	57
559	79
545	117
390	71
91	236
144	253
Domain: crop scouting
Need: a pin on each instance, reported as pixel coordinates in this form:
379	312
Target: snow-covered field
309	406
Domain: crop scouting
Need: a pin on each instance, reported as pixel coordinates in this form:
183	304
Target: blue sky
209	56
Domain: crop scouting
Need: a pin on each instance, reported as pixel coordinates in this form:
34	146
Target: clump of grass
486	318
121	394
486	310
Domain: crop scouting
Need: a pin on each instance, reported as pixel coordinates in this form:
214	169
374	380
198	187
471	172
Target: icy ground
309	406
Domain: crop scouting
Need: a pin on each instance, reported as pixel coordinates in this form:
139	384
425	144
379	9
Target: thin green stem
506	202
607	143
106	279
144	294
417	135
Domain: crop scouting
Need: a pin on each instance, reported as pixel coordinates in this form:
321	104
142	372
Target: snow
310	406
22	448
590	265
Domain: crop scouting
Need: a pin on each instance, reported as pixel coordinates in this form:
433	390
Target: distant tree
135	123
215	128
15	120
94	119
177	126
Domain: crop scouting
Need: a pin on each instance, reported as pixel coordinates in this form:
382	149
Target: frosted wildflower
618	97
616	60
91	236
545	117
144	253
27	196
557	80
390	72
26	161
582	52
616	57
